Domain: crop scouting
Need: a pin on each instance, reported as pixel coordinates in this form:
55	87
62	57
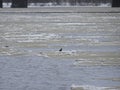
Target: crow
60	50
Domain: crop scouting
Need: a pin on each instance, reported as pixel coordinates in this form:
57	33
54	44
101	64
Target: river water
29	50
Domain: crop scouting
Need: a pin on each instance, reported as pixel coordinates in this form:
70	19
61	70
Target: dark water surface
38	73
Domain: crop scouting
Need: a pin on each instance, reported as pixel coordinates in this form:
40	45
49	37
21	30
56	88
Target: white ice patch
68	4
62	4
104	5
32	37
71	52
7	4
39	4
83	24
89	87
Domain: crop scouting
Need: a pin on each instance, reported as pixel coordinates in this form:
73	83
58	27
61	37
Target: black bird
60	50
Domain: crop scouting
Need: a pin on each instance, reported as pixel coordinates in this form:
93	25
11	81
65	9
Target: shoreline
61	10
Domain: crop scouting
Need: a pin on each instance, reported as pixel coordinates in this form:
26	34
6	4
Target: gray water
38	73
30	43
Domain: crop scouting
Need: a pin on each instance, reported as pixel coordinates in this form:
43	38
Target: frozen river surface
30	40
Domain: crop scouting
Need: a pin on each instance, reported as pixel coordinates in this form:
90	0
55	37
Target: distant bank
62	10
